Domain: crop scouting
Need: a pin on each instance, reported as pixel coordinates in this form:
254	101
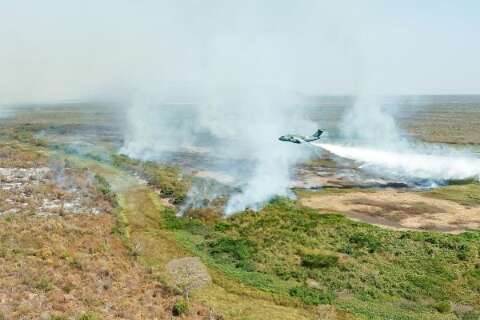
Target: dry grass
60	261
17	156
70	265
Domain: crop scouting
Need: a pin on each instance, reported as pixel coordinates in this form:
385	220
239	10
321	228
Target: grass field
284	262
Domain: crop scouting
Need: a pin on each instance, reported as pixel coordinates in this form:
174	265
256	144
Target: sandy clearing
399	210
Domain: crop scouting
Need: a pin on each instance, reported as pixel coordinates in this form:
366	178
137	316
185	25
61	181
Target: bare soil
398	209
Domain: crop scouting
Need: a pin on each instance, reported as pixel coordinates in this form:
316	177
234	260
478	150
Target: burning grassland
53	190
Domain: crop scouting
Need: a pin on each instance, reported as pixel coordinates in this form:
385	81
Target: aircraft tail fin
318	133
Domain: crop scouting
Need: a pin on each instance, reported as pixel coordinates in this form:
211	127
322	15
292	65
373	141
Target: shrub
206	215
105	189
443	307
312	296
180	307
238	250
172	222
169	179
222	226
44	285
365	240
319	261
463	251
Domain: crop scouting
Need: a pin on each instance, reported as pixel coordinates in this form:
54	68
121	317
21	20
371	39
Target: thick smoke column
232	71
237	82
241	128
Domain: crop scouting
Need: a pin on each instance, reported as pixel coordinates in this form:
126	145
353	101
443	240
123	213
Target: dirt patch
399	210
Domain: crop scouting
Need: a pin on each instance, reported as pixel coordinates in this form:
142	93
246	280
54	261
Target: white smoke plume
433	164
234	91
371	121
380	147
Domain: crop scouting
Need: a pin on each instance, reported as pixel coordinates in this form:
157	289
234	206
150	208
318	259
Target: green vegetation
44	285
180	308
319	261
88	316
465	194
164	237
443	307
105	189
289	250
311	296
168	179
26	134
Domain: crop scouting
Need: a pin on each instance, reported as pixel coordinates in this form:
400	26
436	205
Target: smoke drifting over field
380	147
232	88
225	77
221	76
427	164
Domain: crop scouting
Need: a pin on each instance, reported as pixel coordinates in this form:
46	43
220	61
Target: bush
319	261
222	226
312	296
240	251
169	179
44	285
365	240
172	222
206	215
180	307
105	189
443	307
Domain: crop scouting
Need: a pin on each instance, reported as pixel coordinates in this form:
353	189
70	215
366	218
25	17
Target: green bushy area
295	252
170	180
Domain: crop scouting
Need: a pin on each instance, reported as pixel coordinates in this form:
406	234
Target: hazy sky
55	50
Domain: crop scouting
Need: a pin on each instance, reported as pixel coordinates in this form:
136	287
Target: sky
112	49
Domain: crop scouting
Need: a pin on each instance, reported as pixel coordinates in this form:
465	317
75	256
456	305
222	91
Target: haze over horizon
53	50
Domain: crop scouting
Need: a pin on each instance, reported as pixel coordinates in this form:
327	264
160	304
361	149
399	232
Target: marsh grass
465	194
286	247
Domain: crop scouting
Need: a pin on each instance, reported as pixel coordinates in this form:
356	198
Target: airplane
294	138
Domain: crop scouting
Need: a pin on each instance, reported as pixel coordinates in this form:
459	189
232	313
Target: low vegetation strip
294	253
157	233
328	259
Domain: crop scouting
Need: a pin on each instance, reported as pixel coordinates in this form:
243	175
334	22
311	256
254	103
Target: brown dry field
399	210
59	256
